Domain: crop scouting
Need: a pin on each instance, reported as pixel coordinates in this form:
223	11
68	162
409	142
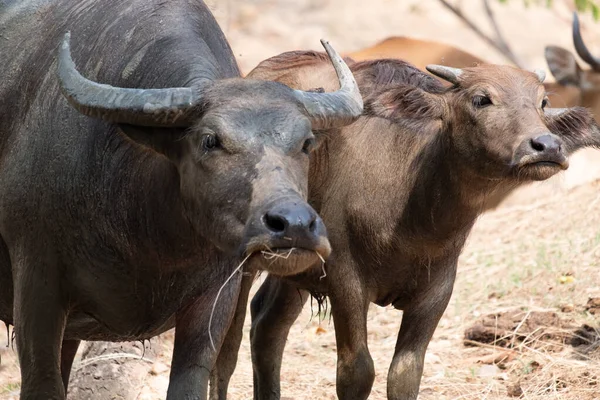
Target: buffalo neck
448	194
402	185
438	204
129	203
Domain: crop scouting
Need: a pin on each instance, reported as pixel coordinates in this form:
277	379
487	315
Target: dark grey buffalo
125	204
399	190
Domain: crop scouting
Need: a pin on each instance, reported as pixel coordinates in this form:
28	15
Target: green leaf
581	5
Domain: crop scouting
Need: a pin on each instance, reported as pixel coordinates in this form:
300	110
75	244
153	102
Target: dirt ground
525	278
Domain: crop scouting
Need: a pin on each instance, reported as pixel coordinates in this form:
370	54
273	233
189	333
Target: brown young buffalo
400	190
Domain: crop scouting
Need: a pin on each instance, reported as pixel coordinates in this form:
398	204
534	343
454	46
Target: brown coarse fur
399	191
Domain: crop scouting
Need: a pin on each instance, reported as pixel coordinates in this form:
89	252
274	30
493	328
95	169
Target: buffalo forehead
272	123
506	81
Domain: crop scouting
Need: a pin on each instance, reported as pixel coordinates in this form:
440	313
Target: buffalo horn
580	46
541	74
174	106
333	109
449	74
146	107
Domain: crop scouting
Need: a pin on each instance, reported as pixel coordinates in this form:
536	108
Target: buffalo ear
406	103
575	126
563	65
167	141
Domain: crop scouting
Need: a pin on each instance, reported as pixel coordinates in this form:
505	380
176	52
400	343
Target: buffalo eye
481	101
308	145
209	142
545	103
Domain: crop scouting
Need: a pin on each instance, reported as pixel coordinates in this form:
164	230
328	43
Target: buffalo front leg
40	312
67	355
419	321
228	355
355	370
193	353
274	309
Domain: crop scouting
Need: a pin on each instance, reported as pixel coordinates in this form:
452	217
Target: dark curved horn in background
580	46
145	107
334	109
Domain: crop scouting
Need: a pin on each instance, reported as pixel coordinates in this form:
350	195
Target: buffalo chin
539	171
285	261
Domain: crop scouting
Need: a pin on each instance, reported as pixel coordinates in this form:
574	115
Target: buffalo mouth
540	169
287	259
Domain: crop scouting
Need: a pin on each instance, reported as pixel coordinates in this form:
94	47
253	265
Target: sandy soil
540	251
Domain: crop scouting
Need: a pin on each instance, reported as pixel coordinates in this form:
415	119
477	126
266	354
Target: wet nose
293	221
546	144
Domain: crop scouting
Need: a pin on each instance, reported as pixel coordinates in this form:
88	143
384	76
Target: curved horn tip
338	108
329	49
344	74
66	41
64	53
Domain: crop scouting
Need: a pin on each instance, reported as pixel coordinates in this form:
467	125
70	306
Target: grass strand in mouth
322	266
270	254
235	271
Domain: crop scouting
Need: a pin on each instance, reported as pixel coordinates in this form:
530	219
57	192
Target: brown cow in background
418	52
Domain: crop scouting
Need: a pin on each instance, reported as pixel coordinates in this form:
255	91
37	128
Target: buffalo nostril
546	144
292	221
312	227
275	223
537	145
